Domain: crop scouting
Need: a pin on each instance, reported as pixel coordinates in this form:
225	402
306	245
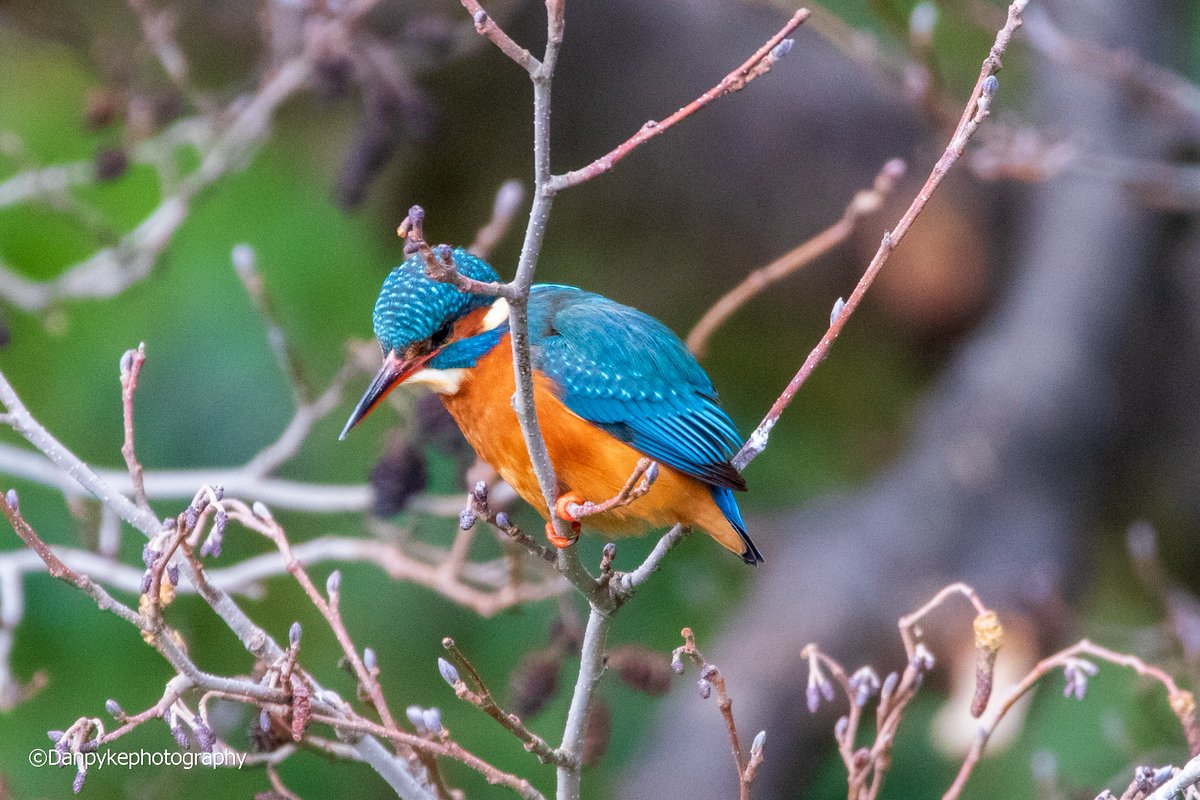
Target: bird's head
423	324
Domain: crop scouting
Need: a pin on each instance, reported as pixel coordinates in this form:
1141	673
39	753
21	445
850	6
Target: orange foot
562	512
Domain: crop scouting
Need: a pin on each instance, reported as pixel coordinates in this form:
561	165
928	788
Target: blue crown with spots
412	306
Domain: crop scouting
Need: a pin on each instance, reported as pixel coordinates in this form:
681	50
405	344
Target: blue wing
630	375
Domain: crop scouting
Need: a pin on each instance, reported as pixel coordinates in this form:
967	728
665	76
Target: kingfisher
612	385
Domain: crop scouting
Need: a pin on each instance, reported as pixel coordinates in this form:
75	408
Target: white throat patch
496	315
442	381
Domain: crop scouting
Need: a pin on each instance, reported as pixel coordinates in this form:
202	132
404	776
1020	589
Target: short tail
724	499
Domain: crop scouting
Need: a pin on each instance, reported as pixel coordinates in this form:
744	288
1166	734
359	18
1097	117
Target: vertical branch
535	232
131	367
711	678
591	668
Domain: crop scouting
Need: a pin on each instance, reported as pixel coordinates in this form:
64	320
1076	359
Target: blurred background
1015	404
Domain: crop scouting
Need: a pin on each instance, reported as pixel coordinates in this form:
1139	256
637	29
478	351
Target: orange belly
587	460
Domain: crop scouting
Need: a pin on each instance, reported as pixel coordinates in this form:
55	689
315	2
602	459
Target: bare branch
56	568
439	260
1183	703
486	26
757	65
628	583
977	109
131	367
591	669
482	699
864	202
710	678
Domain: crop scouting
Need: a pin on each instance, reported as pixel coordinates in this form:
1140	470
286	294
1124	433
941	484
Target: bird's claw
562	507
562	541
563	512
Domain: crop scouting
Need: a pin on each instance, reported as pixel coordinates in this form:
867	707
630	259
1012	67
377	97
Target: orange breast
587	460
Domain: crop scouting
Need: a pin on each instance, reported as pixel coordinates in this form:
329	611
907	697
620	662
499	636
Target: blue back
629	374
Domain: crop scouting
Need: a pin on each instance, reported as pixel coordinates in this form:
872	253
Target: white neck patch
496	315
442	381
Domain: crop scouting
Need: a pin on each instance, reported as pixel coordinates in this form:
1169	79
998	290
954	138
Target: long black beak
390	375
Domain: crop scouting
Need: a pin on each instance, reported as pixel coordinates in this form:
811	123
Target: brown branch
867	766
439	260
977	109
446	748
1182	702
55	566
711	678
909	622
481	698
174	690
757	65
865	202
131	367
1165	87
261	520
478	507
486	26
644	474
989	636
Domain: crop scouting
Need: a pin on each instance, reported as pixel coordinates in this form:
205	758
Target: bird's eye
440	335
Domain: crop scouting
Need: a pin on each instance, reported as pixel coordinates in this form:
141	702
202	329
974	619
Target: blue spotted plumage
411	306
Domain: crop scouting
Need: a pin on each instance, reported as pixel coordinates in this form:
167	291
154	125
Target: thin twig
395	771
757	65
645	472
865	202
1182	702
446	749
711	678
329	608
439	260
481	697
977	109
131	367
909	622
1168	89
486	26
57	569
628	583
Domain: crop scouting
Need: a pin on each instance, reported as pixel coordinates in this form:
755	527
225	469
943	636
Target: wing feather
629	374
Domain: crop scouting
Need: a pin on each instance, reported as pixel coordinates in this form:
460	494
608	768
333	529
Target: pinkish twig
645	472
757	65
711	678
977	109
131	367
808	251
